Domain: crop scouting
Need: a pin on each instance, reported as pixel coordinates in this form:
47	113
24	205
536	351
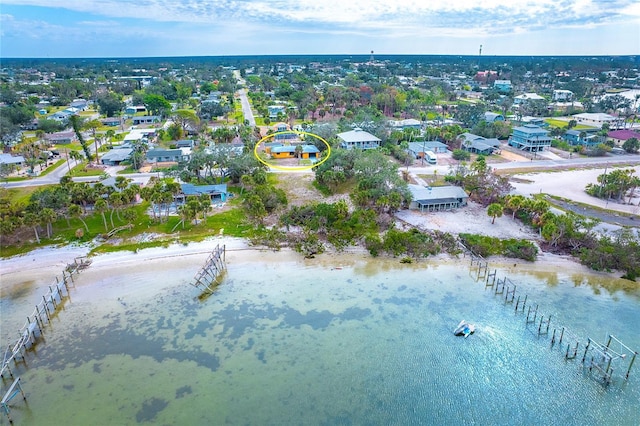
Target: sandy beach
42	265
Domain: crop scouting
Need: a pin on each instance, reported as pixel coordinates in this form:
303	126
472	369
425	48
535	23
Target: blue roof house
530	138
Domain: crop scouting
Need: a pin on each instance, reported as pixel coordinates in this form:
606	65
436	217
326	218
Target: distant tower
480	53
371	58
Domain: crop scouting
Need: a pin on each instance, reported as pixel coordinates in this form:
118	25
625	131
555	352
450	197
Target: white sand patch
472	219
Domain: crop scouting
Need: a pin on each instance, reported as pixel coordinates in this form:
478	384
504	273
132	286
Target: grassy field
563	124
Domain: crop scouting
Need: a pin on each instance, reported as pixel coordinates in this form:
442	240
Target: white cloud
226	23
356	13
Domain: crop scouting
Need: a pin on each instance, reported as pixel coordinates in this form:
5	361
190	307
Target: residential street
246	107
244	100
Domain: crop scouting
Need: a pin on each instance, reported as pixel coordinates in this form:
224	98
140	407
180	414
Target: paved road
246	107
244	100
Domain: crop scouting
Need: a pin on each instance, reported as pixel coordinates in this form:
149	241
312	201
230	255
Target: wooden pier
33	328
208	276
597	358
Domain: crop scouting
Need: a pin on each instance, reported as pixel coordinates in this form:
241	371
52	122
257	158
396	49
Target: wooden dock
208	276
34	324
598	359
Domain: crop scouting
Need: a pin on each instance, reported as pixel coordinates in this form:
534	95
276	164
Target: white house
562	95
358	139
597	119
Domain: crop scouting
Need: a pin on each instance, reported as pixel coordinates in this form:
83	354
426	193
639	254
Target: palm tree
515	203
76	123
101	206
93	126
122	183
129	215
494	210
188	211
205	205
75	211
109	135
115	199
33	220
48	215
74	155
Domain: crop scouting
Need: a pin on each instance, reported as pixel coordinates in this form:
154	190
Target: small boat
464	329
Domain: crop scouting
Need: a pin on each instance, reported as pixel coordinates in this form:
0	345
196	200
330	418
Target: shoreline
51	261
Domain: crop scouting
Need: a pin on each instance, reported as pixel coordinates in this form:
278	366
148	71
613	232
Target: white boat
464	329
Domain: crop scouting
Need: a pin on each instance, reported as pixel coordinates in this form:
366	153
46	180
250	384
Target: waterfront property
217	193
437	198
530	138
358	139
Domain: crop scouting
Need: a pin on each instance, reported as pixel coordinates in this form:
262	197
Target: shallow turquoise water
299	342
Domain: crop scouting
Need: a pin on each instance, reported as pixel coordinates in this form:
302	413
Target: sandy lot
471	219
571	184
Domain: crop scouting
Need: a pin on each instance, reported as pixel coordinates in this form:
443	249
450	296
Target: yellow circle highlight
292	169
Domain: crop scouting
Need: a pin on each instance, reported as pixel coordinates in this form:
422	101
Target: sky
142	28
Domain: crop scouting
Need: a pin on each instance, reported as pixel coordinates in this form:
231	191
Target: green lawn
563	124
82	170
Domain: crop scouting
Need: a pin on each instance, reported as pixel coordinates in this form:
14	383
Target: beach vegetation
616	185
486	246
494	210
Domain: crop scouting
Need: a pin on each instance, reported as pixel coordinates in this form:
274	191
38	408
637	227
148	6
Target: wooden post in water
524	303
575	351
586	349
512	292
631	364
492	275
535	314
540	325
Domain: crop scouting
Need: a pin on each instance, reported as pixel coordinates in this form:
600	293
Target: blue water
290	341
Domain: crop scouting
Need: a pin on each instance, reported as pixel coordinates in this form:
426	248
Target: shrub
461	155
488	246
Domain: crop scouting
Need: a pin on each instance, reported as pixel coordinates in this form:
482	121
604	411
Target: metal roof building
437	198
